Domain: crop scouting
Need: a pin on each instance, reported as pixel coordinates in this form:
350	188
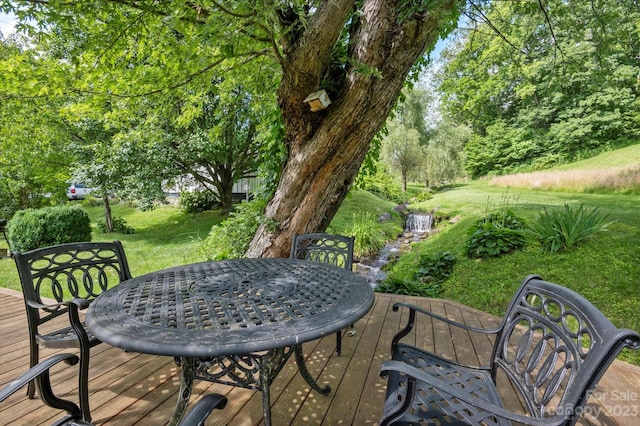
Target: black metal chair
552	346
3	230
73	275
325	248
40	375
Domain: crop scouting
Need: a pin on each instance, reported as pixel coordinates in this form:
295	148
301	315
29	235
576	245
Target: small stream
417	227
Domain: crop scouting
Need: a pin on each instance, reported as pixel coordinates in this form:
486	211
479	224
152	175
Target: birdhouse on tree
318	100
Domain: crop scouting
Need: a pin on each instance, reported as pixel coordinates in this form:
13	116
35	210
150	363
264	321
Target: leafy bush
382	184
369	238
231	238
437	267
562	229
423	196
91	201
432	270
503	219
408	287
492	240
34	228
495	234
198	201
119	226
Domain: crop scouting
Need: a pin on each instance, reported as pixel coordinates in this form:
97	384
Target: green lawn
606	269
164	237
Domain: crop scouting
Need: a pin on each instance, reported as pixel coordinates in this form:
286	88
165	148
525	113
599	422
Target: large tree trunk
326	148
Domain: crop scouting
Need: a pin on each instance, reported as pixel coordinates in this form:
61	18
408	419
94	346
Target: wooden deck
136	389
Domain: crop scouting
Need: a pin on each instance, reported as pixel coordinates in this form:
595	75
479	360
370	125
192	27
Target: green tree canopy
360	52
559	81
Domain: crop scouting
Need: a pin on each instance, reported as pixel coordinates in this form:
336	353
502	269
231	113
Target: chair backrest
326	248
554	347
68	271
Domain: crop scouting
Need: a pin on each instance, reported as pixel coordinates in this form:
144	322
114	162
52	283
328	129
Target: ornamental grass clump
565	228
369	239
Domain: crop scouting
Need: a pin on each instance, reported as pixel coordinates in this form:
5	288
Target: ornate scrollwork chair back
552	345
333	249
555	345
62	280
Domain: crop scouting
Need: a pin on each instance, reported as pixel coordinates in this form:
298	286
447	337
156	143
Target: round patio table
235	322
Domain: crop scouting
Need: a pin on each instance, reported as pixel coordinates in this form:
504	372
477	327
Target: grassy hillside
605	269
615	172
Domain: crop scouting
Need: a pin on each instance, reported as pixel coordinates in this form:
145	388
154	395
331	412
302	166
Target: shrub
492	240
423	196
382	184
503	219
198	201
231	238
496	233
437	267
562	229
119	226
91	201
34	228
408	287
369	239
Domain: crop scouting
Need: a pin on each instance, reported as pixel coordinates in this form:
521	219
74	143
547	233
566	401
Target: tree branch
486	20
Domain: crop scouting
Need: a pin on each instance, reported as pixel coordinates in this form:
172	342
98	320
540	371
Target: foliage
555	81
35	228
231	238
222	138
443	155
422	196
491	240
495	234
119	226
604	269
425	280
34	159
408	287
361	205
197	201
382	184
435	267
401	150
565	228
369	238
503	219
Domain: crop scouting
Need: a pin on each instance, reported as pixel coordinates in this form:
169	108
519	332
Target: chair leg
83	384
339	342
33	360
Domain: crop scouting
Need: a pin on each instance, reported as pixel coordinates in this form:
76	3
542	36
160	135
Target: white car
78	191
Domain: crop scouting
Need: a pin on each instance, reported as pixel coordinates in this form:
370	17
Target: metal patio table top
231	308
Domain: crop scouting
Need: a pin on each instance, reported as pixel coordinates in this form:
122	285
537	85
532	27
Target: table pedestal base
252	371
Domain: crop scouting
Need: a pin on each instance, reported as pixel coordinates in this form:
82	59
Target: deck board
137	389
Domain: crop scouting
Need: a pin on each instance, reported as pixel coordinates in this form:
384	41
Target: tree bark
327	148
108	218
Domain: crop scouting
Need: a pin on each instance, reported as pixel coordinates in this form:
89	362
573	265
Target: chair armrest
201	410
80	303
413	373
37	370
397	306
52	306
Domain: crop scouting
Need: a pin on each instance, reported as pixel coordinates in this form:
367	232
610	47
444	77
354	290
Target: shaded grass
167	236
164	237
